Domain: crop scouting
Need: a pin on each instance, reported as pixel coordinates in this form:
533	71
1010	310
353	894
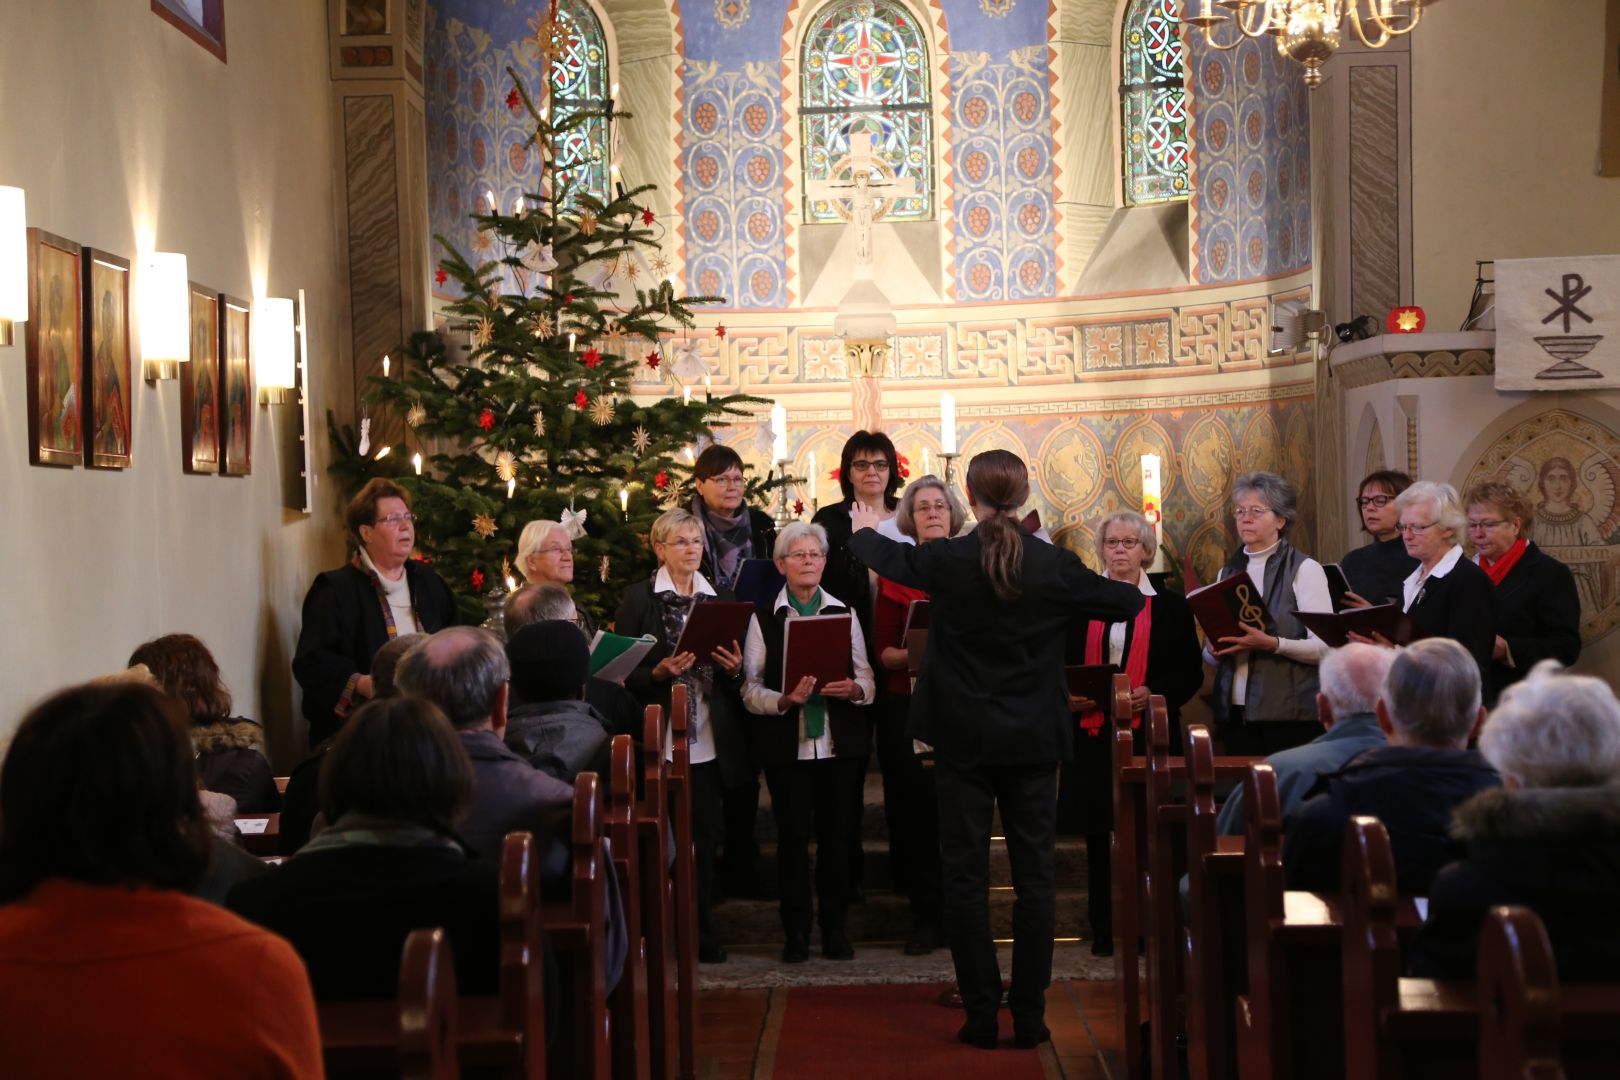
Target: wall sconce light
165	305
274	324
13	261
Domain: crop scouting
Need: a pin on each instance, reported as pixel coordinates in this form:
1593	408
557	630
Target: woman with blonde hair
992	701
545	556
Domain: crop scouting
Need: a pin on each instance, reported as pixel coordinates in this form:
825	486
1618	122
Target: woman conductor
992	701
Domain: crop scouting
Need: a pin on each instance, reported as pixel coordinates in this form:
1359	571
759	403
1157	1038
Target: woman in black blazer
868	475
1540	617
660	607
1165	661
992	701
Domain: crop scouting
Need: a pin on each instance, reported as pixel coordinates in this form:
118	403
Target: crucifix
869	186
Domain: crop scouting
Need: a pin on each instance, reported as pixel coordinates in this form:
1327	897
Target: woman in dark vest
1158	651
660	606
991	700
1375	571
351	612
813	742
1265	681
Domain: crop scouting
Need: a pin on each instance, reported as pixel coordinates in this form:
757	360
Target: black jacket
1375	571
1461	606
1554	850
343	628
763	541
560	738
230	760
1540	616
845	576
774	739
1411	789
347	912
991	690
640	613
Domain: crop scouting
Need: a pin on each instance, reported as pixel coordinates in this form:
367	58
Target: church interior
1144	255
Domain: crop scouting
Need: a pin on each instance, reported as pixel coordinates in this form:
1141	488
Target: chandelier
1308	30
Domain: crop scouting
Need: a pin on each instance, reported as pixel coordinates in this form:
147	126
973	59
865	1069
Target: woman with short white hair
1447	595
1549	838
545	556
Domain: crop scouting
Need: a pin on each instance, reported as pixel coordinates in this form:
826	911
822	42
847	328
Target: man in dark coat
549	722
1429	709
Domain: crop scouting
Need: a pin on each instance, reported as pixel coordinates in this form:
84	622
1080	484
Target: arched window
865	65
1153	103
578	81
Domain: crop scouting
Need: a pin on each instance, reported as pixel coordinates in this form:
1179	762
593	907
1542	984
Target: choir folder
714	624
915	635
1387	619
1226	607
1093	681
817	645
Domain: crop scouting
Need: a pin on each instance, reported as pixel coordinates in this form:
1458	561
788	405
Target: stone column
377	98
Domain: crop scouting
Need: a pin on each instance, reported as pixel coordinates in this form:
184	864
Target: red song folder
915	635
714	624
1386	619
817	645
1226	607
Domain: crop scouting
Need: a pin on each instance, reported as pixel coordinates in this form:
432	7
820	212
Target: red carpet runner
879	1032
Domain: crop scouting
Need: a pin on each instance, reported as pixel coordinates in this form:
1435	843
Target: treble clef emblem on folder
1249	612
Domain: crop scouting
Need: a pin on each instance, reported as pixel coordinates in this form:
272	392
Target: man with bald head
463	670
1351	678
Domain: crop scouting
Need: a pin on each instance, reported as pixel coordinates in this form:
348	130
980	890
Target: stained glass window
578	79
1153	103
865	67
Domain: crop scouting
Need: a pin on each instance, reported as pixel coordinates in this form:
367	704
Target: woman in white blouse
1265	679
813	742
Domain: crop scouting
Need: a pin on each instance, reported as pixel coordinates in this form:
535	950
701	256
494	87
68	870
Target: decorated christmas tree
520	409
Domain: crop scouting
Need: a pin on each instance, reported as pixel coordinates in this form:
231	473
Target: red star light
486	419
653	360
513	100
720	331
591	357
580	400
798	507
661	481
439	276
647	217
477	579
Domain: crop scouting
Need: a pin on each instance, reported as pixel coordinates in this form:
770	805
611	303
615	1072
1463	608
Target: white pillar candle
416	463
778	432
947	424
928	469
382	453
686	395
385	365
570	342
1151	508
814	476
624	500
511	487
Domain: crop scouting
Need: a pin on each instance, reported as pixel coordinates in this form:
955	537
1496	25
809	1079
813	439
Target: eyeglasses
725	480
402	518
862	465
940	507
805	556
1126	542
1407	527
1377	502
567	549
685	543
1476	524
1250	511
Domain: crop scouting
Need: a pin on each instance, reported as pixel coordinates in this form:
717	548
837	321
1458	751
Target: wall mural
1568	466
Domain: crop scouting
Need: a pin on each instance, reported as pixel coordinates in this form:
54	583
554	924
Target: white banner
1558	323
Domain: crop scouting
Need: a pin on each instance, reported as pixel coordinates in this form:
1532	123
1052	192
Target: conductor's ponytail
998	482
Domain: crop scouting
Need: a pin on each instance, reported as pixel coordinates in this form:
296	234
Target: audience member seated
545	556
541	603
107	967
549	721
393	786
351	612
1429	709
301	801
230	749
1351	679
1549	838
463	671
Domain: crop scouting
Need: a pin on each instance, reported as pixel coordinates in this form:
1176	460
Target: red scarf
1136	657
1499	569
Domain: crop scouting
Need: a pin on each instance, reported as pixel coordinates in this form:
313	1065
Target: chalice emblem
1568	348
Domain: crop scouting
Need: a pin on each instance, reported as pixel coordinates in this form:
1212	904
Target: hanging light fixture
1308	30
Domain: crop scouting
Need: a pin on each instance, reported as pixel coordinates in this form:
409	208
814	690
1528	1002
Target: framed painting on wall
55	362
199	386
108	439
236	388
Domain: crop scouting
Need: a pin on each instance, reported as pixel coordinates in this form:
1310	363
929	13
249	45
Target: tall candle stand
783	516
950	467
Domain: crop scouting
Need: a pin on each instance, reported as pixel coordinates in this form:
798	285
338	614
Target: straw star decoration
483	332
506	466
539	423
416	415
483	525
640	439
602	410
587	223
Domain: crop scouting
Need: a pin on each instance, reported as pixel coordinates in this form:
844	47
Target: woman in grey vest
1265	681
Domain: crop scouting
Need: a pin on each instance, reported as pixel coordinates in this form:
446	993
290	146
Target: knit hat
550	661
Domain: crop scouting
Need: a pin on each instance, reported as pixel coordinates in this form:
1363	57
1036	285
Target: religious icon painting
55	364
107	410
199	386
236	388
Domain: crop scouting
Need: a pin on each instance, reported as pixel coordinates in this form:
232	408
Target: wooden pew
686	926
576	929
1127	852
427	1008
1166	823
1214	955
628	1003
1408	1027
1518	998
658	901
505	1032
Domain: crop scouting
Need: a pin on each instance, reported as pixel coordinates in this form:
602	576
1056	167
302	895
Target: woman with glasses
1375	571
1447	595
660	606
928	511
545	556
1158	651
1265	681
813	742
732	531
351	612
1540	614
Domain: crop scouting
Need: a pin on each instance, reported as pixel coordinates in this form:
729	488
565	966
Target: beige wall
124	132
1505	102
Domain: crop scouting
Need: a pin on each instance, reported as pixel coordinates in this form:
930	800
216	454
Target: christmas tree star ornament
506	466
544	325
416	415
653	360
591	356
587	223
514	100
539	424
647	216
640	439
477	579
483	525
483	332
440	277
661	481
720	331
660	265
602	410
606	570
580	400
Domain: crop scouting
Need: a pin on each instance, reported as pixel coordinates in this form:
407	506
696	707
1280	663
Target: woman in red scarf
1540	616
1158	651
